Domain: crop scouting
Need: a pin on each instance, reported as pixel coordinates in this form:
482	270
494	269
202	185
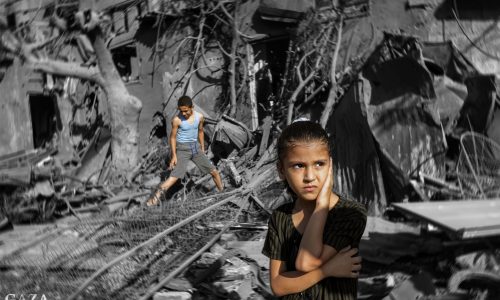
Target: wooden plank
266	130
252	90
19	176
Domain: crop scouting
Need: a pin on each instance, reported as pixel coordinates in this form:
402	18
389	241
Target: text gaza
25	297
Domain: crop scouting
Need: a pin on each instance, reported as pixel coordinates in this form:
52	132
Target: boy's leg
183	156
206	166
164	186
218	181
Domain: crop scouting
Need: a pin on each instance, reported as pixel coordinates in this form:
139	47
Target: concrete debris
41	188
253	249
480	260
172	296
415	287
419	3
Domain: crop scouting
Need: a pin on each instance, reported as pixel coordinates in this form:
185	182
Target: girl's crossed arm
284	282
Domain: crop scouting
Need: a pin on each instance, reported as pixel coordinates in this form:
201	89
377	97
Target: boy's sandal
155	199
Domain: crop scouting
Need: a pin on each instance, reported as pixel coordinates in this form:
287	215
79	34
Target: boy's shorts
190	151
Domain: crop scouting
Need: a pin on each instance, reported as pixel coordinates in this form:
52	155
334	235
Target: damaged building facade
156	49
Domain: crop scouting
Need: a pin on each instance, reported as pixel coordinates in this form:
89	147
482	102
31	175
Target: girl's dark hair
184	101
301	131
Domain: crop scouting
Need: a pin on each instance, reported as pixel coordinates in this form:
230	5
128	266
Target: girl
311	241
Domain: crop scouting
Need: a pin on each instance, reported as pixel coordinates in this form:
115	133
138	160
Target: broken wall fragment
399	97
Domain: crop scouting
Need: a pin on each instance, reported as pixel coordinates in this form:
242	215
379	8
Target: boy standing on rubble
186	143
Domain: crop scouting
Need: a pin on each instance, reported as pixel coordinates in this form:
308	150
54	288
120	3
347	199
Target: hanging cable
454	12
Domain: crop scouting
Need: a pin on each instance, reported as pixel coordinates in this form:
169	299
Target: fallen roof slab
464	218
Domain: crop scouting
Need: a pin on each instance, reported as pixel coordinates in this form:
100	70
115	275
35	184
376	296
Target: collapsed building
420	101
415	116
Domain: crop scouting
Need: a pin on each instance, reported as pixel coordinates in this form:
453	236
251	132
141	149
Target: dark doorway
126	62
270	61
44	119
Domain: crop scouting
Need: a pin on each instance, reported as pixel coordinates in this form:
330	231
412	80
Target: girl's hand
344	264
323	199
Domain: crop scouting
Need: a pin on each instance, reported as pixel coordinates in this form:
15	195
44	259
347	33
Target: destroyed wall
15	117
164	50
41	109
473	27
160	73
427	21
15	84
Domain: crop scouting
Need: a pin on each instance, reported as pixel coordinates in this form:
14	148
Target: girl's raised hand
323	199
344	264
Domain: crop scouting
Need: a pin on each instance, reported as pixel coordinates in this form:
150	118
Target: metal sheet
400	107
464	218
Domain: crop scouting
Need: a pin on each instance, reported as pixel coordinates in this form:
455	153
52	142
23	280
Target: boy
186	143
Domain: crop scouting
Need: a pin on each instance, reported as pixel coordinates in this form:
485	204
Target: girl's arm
345	265
312	252
285	282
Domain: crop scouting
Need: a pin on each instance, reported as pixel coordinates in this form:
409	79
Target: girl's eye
320	164
297	166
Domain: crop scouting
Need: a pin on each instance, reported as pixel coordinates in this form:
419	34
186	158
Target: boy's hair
185	101
301	131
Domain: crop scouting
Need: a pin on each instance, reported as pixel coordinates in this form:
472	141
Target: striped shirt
344	226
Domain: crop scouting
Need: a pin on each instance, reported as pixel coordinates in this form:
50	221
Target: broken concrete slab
415	287
174	295
253	249
42	188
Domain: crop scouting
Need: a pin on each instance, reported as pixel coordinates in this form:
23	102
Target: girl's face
305	168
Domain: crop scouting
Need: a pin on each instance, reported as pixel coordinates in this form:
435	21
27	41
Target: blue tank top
188	133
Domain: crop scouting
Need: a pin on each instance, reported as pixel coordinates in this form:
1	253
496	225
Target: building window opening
44	120
126	62
269	68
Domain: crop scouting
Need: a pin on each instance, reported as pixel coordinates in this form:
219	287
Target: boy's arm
173	136
312	252
201	134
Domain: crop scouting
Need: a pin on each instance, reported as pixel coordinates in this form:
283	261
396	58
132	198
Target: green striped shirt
344	226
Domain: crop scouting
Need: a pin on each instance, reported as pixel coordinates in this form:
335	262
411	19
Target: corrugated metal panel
464	218
400	101
357	166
